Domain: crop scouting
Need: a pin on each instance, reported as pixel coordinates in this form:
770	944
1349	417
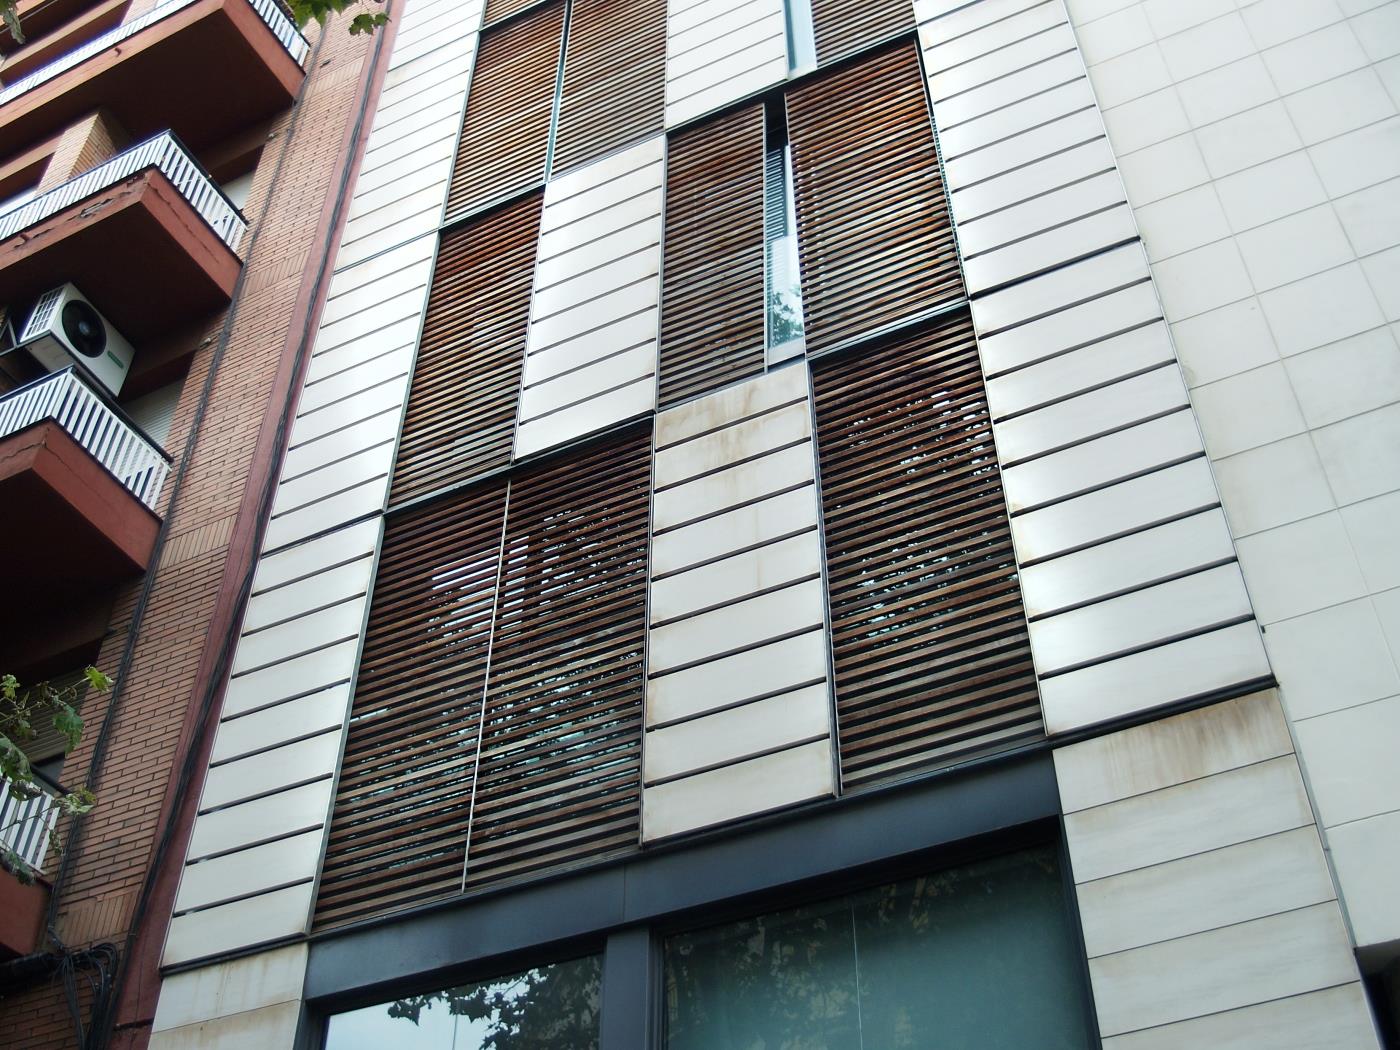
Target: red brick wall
38	1016
201	565
85	145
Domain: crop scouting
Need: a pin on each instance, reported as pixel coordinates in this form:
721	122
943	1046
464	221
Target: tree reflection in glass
549	1008
978	958
781	262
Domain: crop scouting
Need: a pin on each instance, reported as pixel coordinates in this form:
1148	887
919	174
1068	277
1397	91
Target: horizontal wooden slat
614	89
560	770
876	239
499	9
712	298
843	27
466	380
537	583
399	826
505	133
932	659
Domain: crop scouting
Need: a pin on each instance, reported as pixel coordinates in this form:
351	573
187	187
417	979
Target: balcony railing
100	427
25	825
283	28
163	152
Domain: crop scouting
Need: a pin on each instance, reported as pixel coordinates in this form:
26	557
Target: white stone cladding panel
253	1003
264	807
238	924
1334	1018
1365	854
403	177
1089	408
1018	124
738	711
266	979
1260	150
254	1030
718	51
356	383
590	356
1205	897
733	792
261	868
266	793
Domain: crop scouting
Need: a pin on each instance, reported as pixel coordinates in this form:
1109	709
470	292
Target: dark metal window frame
624	909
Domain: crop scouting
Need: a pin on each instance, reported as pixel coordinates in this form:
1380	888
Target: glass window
978	958
549	1008
784	275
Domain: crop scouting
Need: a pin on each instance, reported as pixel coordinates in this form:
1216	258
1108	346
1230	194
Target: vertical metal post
631	992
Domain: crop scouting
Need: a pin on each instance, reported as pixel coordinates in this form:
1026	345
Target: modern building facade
814	524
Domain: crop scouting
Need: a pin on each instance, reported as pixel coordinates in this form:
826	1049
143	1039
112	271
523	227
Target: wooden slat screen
560	774
522	603
876	239
933	664
712	295
399	825
510	106
499	9
845	26
466	382
614	89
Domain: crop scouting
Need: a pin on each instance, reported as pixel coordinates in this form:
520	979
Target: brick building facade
235	370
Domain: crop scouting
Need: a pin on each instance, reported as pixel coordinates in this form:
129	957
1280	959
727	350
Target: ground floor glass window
974	958
547	1007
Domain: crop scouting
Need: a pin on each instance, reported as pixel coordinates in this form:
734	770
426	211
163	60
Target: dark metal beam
806	851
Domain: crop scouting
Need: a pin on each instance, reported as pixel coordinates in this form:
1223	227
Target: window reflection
549	1008
978	958
784	277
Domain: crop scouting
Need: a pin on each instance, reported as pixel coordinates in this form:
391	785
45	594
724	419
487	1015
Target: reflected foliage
553	1008
969	959
549	1008
784	316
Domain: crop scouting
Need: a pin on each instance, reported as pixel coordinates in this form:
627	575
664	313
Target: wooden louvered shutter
399	825
499	9
460	420
614	89
932	658
876	240
712	299
510	106
560	773
845	26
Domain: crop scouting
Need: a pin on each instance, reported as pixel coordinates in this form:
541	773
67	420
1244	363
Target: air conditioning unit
65	329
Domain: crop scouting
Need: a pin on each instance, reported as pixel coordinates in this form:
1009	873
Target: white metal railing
25	825
163	152
283	28
109	437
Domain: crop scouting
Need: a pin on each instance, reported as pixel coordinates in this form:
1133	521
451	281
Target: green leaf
97	680
77	802
367	23
9	687
14	767
10	14
68	722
